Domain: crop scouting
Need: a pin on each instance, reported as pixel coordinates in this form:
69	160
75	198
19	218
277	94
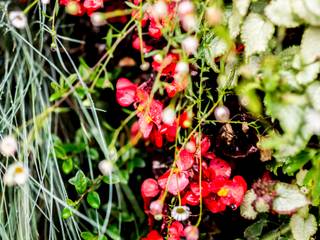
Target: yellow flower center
140	108
148	119
223	192
18	170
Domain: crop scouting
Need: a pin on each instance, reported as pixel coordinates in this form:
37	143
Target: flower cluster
79	8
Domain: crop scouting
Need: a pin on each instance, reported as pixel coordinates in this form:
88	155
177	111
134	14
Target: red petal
196	190
145	126
177	183
176	229
92	5
153	235
156	111
220	167
237	190
185	160
205	145
149	188
125	92
191	199
213	204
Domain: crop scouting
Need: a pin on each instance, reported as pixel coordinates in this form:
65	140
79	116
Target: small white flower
214	16
18	19
45	1
16	174
159	9
190	45
189	23
8	146
222	113
168	116
182	67
105	167
180	213
185	7
98	19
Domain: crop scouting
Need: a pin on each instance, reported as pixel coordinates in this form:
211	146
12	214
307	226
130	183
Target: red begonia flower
190	198
213	203
153	235
177	182
149	188
185	160
220	167
176	230
125	92
234	191
205	188
168	64
92	5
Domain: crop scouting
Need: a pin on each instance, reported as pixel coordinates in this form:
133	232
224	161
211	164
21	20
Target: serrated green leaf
254	231
301	228
93	199
80	182
256	33
280	13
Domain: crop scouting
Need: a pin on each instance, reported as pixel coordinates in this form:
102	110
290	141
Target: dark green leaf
80	182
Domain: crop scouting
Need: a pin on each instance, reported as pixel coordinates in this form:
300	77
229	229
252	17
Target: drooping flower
125	92
18	19
8	146
175	183
16	174
191	232
180	213
150	188
156	208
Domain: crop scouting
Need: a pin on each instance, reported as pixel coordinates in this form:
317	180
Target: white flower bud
159	9
189	23
168	116
8	146
18	19
182	67
190	45
98	19
185	7
214	16
222	113
16	174
145	66
105	167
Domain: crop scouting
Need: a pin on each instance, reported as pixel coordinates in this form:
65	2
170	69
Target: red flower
177	182
219	167
167	65
190	198
149	188
185	160
125	92
186	119
153	235
175	230
154	29
136	45
213	204
92	5
205	188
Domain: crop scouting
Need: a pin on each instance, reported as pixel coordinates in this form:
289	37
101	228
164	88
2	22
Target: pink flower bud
191	233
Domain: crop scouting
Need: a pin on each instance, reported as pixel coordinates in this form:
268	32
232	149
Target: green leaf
57	95
114	179
301	228
67	165
256	33
66	213
295	163
93	199
109	38
255	230
113	232
280	13
94	154
80	182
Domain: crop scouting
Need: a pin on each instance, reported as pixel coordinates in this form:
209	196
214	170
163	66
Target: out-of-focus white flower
180	213
222	113
189	22
156	209
159	9
16	174
182	67
8	146
190	45
45	1
312	121
185	7
168	115
18	19
98	19
214	16
191	233
145	66
105	167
